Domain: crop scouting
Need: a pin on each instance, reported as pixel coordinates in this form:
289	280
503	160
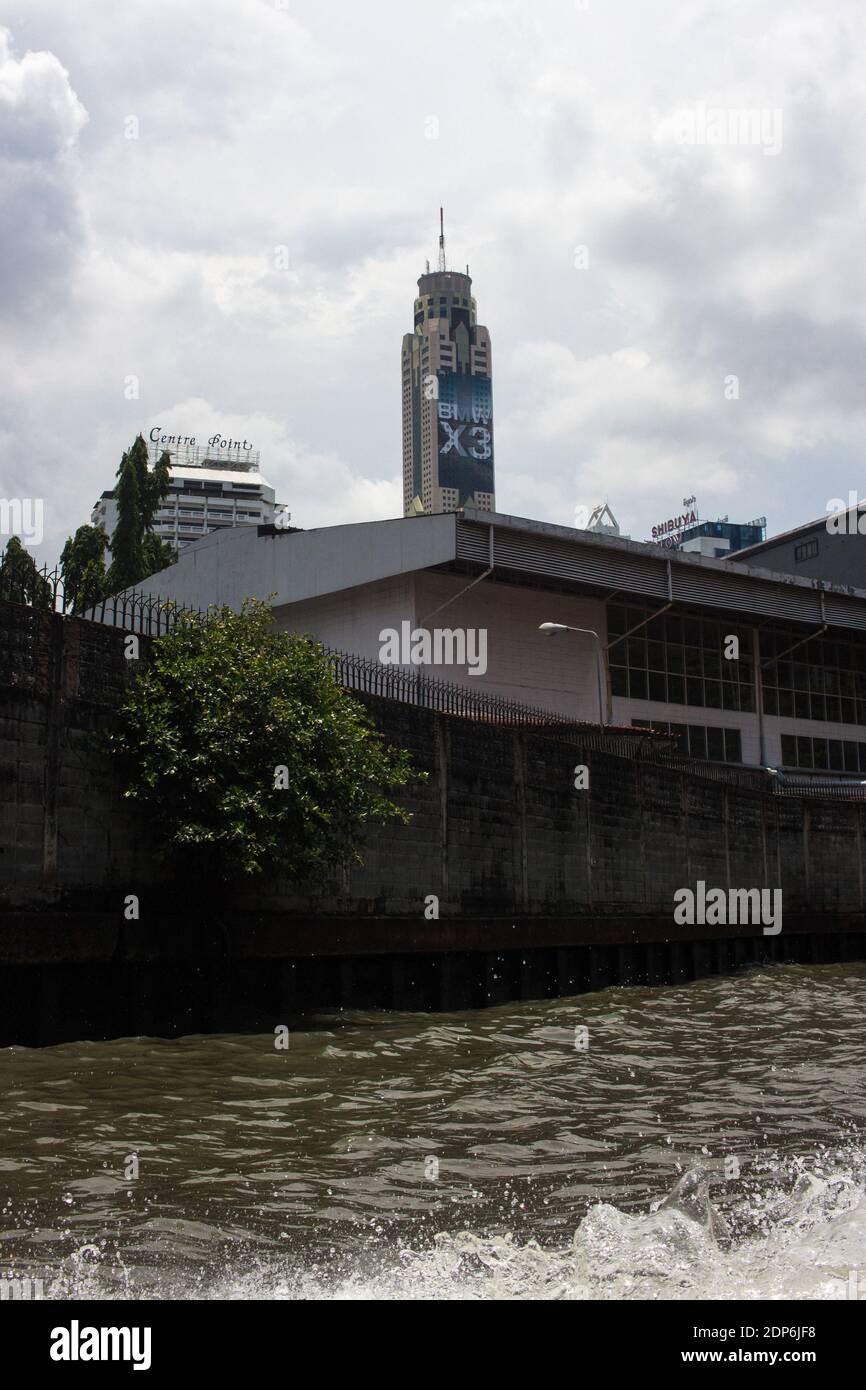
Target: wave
803	1236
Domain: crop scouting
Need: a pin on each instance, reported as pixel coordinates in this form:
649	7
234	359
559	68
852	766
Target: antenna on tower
441	239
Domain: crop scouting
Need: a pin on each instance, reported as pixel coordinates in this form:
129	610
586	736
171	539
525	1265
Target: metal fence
754	778
824	787
371	677
146	614
132	611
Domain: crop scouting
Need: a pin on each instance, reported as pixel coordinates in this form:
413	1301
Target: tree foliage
247	754
157	554
82	565
20	580
136	553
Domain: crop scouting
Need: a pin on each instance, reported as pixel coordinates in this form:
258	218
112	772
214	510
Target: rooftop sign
216	441
218	452
668	532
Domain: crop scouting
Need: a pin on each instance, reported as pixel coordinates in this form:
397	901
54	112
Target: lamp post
553	628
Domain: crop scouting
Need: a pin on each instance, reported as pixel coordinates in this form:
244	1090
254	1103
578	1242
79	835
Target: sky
213	217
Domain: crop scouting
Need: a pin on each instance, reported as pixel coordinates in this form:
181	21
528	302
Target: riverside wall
541	888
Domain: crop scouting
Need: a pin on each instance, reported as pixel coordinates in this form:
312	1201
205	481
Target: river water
492	1154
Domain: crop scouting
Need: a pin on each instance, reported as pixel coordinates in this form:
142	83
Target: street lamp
553	628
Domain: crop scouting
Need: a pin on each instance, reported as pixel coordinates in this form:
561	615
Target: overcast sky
627	268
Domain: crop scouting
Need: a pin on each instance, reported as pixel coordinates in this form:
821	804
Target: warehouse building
742	665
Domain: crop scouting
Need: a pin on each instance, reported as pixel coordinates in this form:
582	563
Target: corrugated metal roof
565	560
581	558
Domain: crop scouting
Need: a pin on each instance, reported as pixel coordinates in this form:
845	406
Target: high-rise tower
447	397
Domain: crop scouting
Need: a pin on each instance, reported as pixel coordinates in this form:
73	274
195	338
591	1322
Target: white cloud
306	128
319	489
40	221
40	115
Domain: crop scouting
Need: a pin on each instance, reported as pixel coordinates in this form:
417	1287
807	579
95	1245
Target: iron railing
371	677
148	614
841	788
754	778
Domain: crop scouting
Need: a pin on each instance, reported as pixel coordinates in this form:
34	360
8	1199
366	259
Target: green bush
246	753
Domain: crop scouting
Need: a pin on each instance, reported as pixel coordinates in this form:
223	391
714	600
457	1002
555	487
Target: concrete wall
352	620
497	829
292	566
542	889
558	673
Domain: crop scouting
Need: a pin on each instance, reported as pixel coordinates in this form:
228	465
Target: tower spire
441	239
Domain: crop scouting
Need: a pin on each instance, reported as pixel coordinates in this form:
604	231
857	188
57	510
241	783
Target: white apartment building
211	488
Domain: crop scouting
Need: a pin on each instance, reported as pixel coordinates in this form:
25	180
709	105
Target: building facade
716	539
833	549
447	393
211	488
740	665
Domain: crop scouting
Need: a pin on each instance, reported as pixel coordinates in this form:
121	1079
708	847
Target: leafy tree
20	580
247	754
82	564
127	539
157	554
136	553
